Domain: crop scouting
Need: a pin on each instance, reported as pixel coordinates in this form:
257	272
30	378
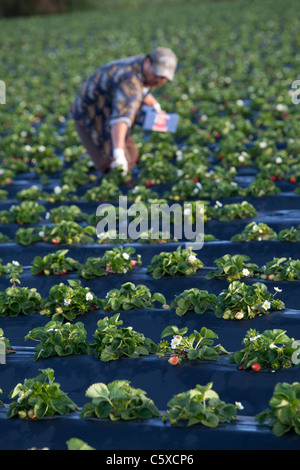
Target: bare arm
149	100
118	134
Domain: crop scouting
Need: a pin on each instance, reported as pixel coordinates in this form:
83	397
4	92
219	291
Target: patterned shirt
113	93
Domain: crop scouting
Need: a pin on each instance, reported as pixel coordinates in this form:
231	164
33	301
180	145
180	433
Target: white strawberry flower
239	405
176	341
89	296
277	289
245	272
126	256
266	305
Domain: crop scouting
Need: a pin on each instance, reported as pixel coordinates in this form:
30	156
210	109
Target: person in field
109	101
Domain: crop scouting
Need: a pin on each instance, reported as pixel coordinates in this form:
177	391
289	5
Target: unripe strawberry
173	360
31	414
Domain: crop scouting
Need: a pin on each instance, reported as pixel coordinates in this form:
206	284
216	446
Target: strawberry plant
112	342
28	236
28	212
140	194
48	165
240	301
282	269
201	405
118	400
118	260
131	297
17	300
283	414
65	213
105	192
271	349
180	262
68	232
193	300
31	194
255	232
228	212
291	235
233	267
56	339
62	193
39	397
66	302
54	263
198	345
261	187
78	175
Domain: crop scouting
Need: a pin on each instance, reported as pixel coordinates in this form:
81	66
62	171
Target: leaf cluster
39	397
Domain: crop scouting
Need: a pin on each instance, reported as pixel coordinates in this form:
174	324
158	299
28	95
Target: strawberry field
115	343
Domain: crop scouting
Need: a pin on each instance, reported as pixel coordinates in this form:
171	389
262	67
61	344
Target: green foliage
68	232
255	232
283	414
201	405
39	397
233	267
131	297
195	300
56	339
54	263
16	300
27	212
282	269
180	262
198	345
112	342
228	212
118	260
78	444
66	302
63	213
270	349
241	301
118	400
291	235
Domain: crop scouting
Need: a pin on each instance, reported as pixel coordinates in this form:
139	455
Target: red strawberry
241	367
221	157
63	272
255	367
273	178
148	184
55	241
42	271
173	360
94	307
292	180
133	262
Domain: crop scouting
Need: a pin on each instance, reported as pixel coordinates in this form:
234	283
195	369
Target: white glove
119	160
157	107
